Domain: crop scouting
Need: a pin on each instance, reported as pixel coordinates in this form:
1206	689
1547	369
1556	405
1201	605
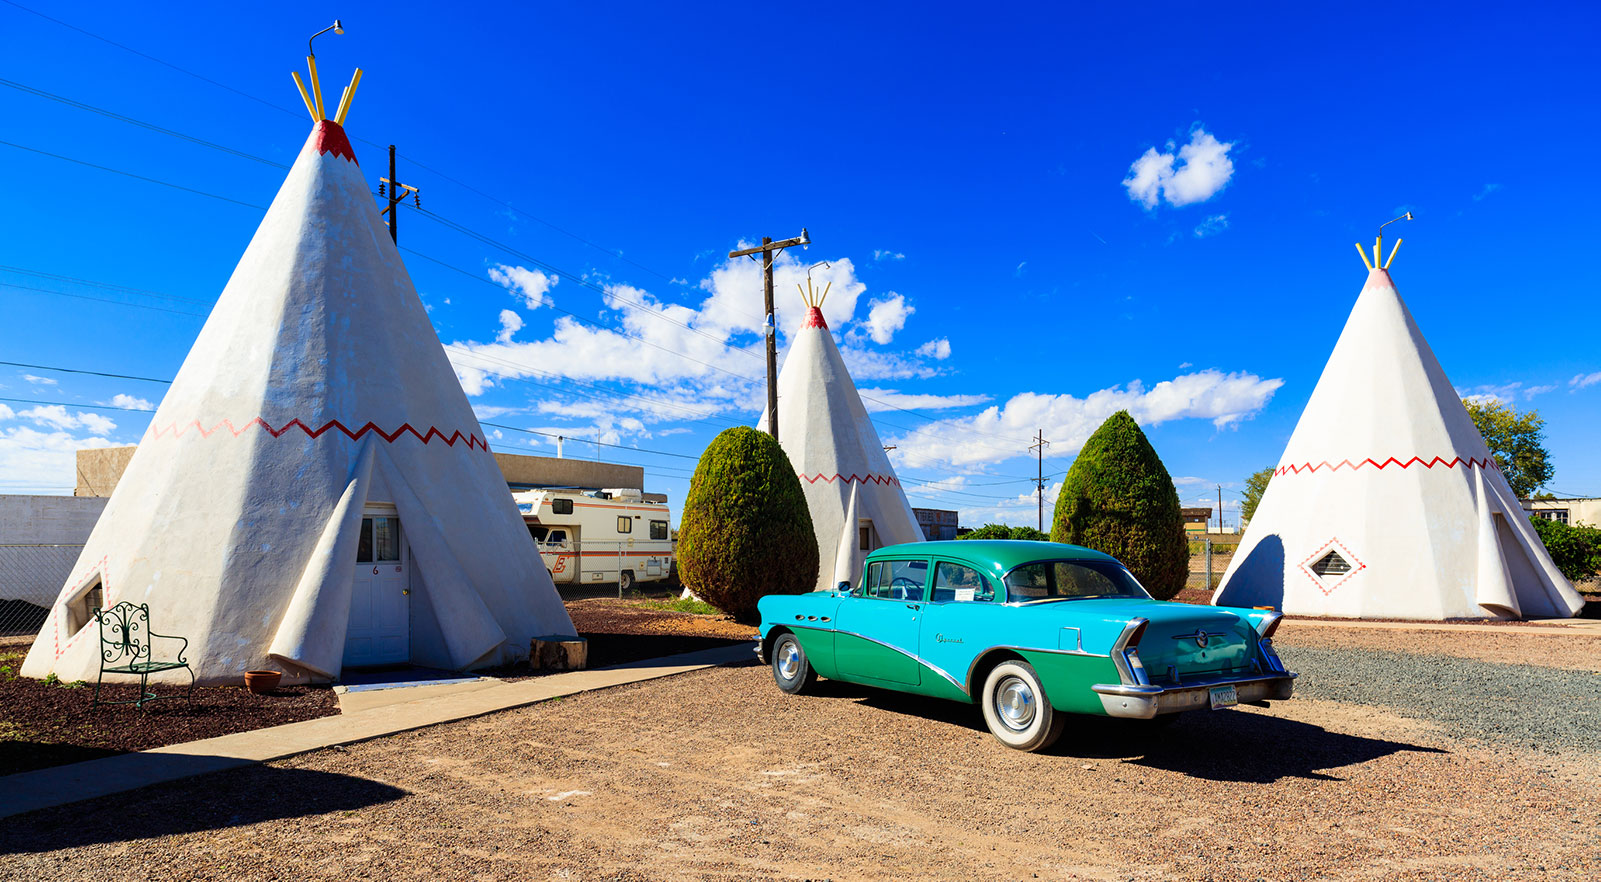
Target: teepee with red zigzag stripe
1387	503
844	471
314	491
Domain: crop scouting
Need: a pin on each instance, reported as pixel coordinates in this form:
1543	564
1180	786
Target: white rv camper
598	535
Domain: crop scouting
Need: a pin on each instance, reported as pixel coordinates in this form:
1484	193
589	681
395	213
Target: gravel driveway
717	775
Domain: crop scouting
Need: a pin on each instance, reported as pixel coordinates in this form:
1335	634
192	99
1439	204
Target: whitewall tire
1017	710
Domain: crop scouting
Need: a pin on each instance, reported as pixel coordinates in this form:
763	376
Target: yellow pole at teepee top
316	88
349	96
1392	253
1363	253
311	108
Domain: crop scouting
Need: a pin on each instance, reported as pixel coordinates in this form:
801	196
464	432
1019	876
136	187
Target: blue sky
987	183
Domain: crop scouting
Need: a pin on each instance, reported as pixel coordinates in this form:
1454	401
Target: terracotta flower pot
262	682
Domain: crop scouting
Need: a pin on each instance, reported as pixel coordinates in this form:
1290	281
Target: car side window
956	582
1028	582
900	580
870	581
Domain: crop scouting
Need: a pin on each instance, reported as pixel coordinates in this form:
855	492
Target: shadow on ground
209	802
1228	745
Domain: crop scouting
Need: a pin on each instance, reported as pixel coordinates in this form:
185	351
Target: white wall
39	543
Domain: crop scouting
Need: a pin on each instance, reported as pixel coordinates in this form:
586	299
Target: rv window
625	524
658	529
561	506
557	537
538	532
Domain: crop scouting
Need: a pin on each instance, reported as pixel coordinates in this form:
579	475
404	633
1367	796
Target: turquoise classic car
1030	631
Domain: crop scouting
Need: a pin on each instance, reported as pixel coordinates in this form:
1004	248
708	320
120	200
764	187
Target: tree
1516	440
745	530
1575	549
1118	498
1001	531
1255	486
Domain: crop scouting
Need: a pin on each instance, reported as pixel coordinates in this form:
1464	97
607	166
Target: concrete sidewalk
378	714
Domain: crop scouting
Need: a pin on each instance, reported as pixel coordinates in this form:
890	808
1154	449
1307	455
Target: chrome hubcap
789	661
1014	703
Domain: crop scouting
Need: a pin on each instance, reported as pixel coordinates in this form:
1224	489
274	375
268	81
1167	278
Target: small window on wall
658	529
80	610
364	542
1560	515
561	506
866	538
625	524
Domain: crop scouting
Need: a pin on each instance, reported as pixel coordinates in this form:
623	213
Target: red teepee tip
331	139
814	319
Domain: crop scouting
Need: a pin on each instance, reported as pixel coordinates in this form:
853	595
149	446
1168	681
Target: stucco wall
48	520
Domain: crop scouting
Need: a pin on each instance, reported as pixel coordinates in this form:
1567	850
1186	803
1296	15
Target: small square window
658	529
561	506
625	524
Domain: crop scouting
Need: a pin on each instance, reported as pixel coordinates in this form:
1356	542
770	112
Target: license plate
1224	696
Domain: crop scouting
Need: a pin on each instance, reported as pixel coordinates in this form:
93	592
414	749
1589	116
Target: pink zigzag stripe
1416	460
473	441
863	479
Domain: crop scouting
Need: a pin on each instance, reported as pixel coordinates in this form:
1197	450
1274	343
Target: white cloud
1505	393
56	417
938	349
1580	381
510	324
1187	481
878	400
879	254
1538	390
42	462
1068	421
6	413
130	402
1213	225
532	286
887	316
1488	189
1206	169
39	381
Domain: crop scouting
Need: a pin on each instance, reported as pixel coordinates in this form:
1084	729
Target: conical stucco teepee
314	490
824	429
1387	503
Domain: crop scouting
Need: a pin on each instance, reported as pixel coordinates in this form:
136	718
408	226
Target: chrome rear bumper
1144	702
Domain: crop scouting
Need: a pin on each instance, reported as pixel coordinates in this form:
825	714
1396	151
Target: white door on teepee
379	631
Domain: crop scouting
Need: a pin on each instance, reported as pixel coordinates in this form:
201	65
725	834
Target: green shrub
1118	498
1001	531
1576	549
745	530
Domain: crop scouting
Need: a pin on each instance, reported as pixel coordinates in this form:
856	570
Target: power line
21	87
98	299
131	174
43	367
70	404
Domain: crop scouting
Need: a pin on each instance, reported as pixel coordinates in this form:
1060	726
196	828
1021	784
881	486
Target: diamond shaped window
1331	564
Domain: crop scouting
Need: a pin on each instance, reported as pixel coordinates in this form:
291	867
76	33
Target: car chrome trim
1126	643
1145	702
1269	624
911	655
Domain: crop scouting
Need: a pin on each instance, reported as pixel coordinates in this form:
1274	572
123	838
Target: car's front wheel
791	670
1016	709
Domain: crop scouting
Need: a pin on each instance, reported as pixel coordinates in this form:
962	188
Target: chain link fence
30	578
1209	559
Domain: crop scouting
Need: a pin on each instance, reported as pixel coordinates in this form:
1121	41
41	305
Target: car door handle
912	606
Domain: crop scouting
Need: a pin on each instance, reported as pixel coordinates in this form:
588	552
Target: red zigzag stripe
473	441
863	479
1416	460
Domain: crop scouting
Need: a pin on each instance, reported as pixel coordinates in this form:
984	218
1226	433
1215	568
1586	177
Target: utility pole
396	193
1220	509
1040	444
767	250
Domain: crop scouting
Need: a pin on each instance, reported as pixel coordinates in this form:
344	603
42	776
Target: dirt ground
717	775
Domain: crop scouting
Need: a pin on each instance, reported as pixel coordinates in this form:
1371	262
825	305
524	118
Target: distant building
1196	519
1565	511
937	523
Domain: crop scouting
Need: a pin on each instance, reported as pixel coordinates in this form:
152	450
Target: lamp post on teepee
767	250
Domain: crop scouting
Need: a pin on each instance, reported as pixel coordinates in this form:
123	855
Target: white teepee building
1387	503
835	450
314	490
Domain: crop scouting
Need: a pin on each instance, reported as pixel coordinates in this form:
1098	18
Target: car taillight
1125	653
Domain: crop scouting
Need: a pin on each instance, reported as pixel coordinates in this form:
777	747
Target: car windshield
1069	579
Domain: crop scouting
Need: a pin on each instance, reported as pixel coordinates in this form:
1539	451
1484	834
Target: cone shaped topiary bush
1118	498
746	530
